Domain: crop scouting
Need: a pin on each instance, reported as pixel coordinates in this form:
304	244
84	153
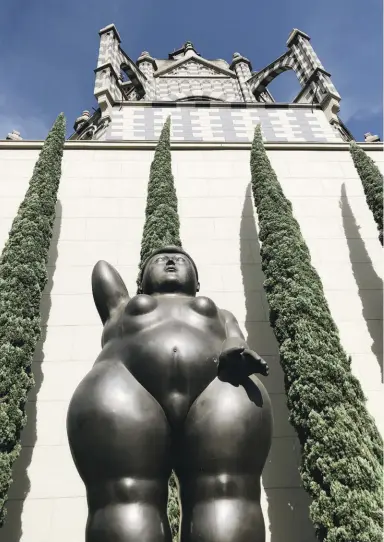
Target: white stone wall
100	215
378	157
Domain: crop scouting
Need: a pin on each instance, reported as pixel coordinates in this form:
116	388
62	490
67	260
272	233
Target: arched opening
199	99
123	76
284	87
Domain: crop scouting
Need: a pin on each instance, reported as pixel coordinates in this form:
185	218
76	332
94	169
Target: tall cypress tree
372	181
162	228
162	225
341	465
23	276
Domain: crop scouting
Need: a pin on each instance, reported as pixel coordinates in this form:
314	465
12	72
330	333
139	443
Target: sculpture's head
169	270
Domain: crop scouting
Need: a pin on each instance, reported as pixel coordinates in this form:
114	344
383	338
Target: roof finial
14	136
189	49
81	121
369	138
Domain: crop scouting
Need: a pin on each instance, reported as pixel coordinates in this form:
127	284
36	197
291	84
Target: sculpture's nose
170	261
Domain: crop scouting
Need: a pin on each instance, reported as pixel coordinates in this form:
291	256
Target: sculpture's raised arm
108	289
237	360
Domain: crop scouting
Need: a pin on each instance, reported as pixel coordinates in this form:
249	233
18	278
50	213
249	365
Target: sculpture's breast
140	312
204	306
141	304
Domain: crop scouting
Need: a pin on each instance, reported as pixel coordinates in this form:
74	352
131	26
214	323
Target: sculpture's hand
239	362
109	290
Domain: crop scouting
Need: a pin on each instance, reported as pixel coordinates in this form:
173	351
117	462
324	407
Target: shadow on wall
369	284
12	530
288	503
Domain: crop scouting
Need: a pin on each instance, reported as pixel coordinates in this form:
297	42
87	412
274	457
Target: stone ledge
190	145
215	105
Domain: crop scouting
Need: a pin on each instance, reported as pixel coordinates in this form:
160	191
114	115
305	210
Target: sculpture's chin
170	283
172	287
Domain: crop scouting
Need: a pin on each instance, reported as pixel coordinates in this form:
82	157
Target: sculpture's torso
171	344
151	403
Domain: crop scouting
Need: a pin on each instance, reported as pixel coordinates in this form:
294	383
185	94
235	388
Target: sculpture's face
169	273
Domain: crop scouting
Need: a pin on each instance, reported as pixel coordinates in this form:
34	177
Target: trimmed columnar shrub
23	276
162	223
372	181
161	228
341	466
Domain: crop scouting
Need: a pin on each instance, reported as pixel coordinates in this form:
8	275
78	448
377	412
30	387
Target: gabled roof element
205	67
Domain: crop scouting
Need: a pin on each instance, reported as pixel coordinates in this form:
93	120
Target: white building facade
214	107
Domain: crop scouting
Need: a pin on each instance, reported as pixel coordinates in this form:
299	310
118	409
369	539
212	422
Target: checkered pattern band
220	124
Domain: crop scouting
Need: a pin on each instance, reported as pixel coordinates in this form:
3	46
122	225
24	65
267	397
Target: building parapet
187	145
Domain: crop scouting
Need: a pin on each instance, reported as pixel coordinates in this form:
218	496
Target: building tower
209	100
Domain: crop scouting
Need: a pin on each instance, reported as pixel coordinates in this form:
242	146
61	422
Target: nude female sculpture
171	389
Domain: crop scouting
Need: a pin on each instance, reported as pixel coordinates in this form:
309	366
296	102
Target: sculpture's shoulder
231	323
227	316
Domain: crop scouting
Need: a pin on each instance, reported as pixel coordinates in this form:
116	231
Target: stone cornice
240	59
186	145
294	34
147	58
105	66
108	29
225	105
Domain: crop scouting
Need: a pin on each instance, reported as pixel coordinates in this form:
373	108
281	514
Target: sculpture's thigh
224	447
120	440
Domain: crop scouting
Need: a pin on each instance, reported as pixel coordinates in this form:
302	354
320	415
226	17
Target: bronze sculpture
171	389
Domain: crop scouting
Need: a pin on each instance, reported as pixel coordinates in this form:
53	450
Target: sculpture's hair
171	249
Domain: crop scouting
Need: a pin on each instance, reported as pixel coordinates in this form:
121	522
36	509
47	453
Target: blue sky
49	48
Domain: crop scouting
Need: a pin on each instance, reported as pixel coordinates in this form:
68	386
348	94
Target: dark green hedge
23	276
372	181
162	223
341	464
161	228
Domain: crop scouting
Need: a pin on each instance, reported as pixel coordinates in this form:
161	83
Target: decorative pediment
190	69
194	67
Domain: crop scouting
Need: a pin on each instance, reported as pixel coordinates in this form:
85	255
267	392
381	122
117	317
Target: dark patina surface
173	388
